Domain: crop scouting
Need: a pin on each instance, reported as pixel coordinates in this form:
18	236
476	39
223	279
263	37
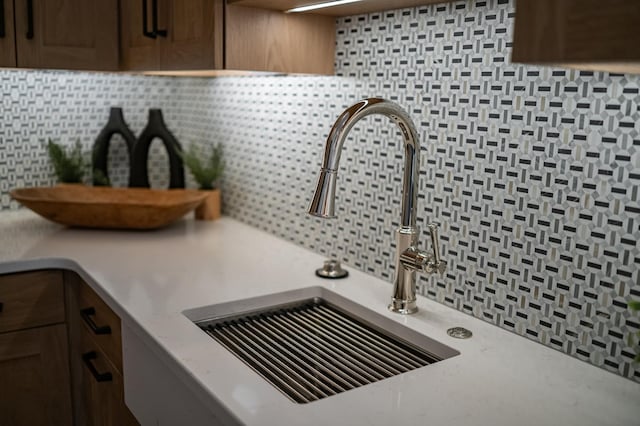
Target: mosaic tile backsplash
532	172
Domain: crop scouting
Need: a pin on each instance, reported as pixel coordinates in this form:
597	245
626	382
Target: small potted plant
206	170
68	164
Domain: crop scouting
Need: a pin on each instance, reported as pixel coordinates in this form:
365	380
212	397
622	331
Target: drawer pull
2	31
100	377
87	315
154	17
146	33
29	20
1	307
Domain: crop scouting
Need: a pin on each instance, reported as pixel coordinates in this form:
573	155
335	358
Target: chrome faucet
409	258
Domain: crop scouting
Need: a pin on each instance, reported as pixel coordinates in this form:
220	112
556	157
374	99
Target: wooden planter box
211	207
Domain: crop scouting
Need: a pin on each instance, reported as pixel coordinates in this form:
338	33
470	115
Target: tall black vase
115	125
156	128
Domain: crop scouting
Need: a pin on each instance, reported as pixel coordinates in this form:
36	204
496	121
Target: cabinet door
194	38
138	51
34	370
7	35
183	34
69	34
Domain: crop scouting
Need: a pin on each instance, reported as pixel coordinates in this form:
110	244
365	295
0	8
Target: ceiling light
320	5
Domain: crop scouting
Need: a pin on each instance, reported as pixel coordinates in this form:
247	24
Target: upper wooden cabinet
267	40
179	34
7	35
584	34
207	35
69	34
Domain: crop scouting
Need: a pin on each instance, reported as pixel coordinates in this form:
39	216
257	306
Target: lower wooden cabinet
101	388
34	354
60	353
96	358
34	375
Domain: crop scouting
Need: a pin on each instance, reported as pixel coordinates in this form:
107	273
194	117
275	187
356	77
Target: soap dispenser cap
332	270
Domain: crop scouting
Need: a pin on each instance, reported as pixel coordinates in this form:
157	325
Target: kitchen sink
312	343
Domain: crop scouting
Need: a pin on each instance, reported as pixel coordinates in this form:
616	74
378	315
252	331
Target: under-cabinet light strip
320	5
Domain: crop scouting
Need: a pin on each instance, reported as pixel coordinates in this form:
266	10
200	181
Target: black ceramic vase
115	125
156	128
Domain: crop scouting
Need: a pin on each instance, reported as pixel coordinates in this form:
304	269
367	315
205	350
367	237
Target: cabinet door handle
87	315
30	20
154	16
2	30
1	307
100	377
146	33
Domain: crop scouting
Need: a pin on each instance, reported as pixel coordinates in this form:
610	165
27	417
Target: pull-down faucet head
323	202
409	258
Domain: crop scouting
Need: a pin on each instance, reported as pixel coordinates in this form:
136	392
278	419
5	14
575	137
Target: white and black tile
532	172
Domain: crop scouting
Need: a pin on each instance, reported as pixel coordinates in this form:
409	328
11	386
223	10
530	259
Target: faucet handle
437	263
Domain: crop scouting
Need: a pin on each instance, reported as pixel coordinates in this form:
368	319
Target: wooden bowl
112	208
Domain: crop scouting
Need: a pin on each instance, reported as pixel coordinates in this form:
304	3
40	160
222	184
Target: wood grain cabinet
209	35
7	35
172	34
583	34
34	361
96	358
267	40
60	353
66	34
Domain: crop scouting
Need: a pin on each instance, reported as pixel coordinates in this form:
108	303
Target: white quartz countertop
150	278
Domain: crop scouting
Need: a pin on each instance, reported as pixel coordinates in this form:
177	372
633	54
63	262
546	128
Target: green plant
634	305
68	164
206	169
100	179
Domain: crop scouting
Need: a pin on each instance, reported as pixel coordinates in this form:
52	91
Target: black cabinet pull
100	377
1	307
2	30
87	315
154	16
146	33
30	19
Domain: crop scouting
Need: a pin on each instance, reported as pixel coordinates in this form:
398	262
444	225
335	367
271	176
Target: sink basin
312	343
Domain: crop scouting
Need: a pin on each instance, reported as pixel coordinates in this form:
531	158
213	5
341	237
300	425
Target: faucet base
403	307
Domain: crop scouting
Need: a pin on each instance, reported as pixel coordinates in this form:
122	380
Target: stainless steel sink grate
313	350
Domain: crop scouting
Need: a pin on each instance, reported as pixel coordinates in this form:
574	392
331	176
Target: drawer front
31	299
101	323
102	387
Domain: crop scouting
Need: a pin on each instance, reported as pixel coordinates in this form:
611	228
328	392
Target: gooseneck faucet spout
409	258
